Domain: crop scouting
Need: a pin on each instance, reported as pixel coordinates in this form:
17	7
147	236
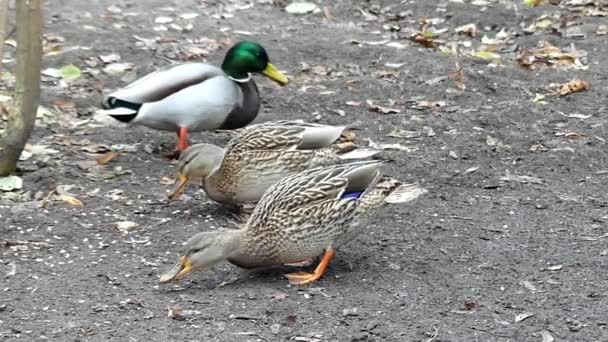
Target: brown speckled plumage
259	155
300	217
304	214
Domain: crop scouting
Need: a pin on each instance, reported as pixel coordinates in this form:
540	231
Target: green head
246	57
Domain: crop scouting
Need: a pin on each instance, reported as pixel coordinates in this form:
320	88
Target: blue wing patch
352	194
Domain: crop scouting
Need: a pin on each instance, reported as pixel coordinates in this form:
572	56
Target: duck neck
232	242
211	185
247	110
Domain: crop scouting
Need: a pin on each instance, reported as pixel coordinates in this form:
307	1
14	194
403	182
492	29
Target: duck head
249	57
196	163
204	250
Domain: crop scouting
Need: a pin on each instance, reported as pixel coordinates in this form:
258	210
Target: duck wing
160	84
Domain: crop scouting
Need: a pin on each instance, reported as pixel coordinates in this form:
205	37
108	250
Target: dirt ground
509	244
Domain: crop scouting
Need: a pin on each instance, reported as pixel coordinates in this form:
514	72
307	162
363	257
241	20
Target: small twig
434	335
133	241
461	218
594	238
8	243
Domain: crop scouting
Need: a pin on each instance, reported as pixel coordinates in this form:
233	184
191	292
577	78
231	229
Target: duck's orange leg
301	278
182	139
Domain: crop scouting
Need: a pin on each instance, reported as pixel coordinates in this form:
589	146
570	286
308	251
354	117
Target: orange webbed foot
302	278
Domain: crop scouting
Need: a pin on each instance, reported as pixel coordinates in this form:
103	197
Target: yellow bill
178	187
180	270
273	73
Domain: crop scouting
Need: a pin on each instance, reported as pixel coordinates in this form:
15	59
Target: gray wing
162	83
284	135
311	187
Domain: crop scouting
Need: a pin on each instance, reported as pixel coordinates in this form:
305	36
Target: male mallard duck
260	155
195	97
302	216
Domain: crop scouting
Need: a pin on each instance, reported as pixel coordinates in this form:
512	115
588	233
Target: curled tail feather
390	190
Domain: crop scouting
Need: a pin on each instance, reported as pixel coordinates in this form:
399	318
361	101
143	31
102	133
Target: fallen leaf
543	23
430	104
95	148
458	77
383	110
424	39
401	133
68	199
11	183
521	179
126	226
471	170
275	328
111	58
301	8
163	20
107	158
188	16
394	65
573	86
279	295
396	45
164	180
398	147
486	55
550	56
534	3
546	336
117	68
114	9
554	267
69	72
579	116
181	314
468	29
523	316
539	98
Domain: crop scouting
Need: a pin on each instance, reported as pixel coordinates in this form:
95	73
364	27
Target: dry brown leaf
551	56
534	3
523	316
573	86
468	29
458	77
94	148
424	39
69	199
164	180
107	158
380	109
126	226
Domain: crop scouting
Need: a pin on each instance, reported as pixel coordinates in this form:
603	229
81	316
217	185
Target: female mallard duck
195	97
299	218
260	155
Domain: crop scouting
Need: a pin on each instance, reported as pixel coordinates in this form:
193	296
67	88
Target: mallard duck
300	217
260	155
195	97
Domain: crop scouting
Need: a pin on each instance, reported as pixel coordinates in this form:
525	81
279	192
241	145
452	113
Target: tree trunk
27	86
3	20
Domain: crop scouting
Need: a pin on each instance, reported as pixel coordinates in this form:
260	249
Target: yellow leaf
69	199
487	55
544	23
533	3
107	157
